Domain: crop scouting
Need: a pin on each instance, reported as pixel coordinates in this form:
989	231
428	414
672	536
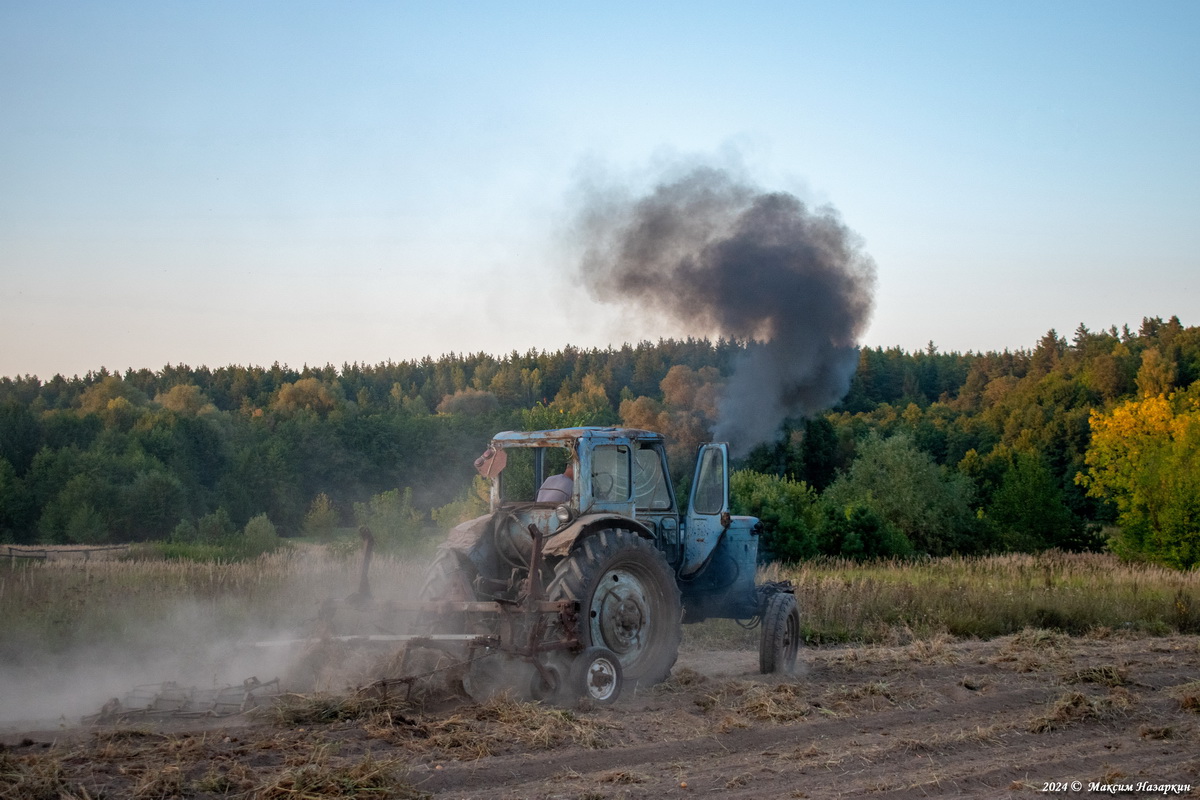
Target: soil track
1009	717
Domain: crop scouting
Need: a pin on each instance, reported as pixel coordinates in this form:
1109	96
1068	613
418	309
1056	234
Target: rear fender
466	536
562	542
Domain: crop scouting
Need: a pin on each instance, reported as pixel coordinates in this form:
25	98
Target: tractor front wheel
780	635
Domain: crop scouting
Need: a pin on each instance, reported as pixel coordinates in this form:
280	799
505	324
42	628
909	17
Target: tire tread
772	648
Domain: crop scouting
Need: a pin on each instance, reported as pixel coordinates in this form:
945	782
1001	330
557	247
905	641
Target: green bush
472	503
787	508
321	519
929	504
396	523
258	537
859	532
214	538
180	551
212	529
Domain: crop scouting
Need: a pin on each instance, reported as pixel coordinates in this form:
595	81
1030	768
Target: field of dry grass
987	677
993	596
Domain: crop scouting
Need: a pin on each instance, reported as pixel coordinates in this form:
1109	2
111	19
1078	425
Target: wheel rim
791	640
600	679
621	617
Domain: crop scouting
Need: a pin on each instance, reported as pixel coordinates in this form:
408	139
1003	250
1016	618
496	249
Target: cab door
708	506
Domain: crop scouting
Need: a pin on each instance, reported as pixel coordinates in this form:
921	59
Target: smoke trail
721	257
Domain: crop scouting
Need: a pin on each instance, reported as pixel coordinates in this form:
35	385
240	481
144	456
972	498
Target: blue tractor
586	566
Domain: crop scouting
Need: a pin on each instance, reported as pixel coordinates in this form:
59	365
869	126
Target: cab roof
569	435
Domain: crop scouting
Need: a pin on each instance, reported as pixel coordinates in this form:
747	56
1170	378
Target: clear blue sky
226	182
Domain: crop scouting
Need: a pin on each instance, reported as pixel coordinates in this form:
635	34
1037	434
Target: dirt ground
1021	715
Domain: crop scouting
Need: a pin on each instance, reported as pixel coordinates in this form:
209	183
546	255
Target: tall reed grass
991	596
57	605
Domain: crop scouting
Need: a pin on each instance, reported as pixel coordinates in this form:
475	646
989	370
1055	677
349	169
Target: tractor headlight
564	514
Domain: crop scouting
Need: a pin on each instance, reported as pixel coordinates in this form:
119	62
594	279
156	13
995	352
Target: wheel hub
621	616
601	680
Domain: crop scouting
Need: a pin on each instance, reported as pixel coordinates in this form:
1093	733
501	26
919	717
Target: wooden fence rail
58	553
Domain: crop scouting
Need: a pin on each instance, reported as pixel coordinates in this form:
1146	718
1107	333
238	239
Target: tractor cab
620	479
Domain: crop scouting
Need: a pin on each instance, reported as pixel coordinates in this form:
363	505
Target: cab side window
710	484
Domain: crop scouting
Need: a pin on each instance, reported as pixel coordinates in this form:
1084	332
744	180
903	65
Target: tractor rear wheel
448	580
780	640
628	602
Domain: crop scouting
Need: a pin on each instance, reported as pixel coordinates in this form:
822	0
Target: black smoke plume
723	258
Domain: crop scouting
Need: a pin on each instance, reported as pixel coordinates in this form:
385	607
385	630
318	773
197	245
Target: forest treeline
1084	443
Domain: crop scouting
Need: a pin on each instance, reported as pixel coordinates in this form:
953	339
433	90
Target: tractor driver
557	488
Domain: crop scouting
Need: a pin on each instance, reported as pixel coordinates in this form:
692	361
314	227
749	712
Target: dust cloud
60	685
133	630
722	257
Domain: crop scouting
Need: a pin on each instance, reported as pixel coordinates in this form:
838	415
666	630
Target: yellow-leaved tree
1145	457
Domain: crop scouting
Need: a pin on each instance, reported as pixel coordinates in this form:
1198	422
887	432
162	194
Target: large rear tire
780	640
628	602
448	579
